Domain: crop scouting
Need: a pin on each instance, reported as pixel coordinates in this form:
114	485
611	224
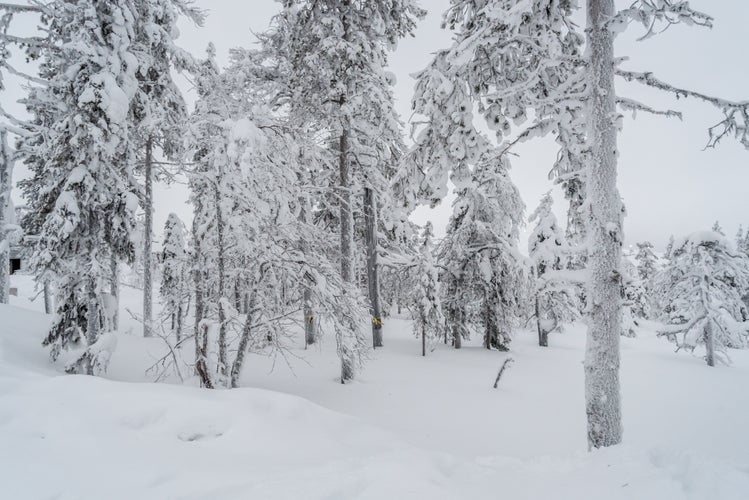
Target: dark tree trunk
373	280
147	243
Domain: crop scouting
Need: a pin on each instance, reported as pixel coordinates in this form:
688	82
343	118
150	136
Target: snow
409	427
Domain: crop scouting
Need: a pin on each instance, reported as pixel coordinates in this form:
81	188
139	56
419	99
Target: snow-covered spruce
175	284
158	112
81	164
556	297
429	322
485	277
334	53
703	288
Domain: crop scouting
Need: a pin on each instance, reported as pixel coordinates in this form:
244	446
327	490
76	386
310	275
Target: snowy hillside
410	427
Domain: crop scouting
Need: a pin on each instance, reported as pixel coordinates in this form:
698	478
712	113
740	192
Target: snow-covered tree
159	110
81	165
428	318
175	273
555	296
484	274
335	52
646	261
6	211
703	286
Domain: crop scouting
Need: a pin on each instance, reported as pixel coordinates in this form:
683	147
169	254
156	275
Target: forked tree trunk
373	279
602	393
147	243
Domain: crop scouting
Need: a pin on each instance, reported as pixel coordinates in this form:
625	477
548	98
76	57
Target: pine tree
428	320
82	166
336	52
174	273
484	274
703	286
159	110
646	261
555	297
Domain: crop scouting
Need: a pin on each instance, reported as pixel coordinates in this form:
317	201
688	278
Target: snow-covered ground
409	427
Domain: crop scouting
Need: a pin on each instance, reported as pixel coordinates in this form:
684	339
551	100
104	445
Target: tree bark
147	243
92	326
709	344
6	169
48	306
373	279
222	362
602	392
201	364
114	290
543	335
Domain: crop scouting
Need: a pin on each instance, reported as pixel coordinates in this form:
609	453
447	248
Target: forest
303	182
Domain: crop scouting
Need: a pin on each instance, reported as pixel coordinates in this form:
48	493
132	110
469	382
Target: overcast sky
670	185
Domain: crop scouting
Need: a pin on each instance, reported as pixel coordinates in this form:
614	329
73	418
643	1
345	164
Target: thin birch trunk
602	392
147	243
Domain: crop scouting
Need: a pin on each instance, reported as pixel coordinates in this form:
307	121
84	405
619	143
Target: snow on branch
735	113
634	106
653	14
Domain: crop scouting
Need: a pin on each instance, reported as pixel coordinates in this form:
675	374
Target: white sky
669	183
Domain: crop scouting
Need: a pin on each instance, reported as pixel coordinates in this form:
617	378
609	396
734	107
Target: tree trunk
92	326
347	236
48	307
709	344
6	172
543	335
201	364
244	339
373	279
147	243
423	335
222	362
309	313
602	393
114	290
309	318
178	328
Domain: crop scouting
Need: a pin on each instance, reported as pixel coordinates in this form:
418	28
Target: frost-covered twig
736	113
651	13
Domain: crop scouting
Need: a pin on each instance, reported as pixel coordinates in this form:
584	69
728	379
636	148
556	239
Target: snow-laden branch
656	16
634	106
735	113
